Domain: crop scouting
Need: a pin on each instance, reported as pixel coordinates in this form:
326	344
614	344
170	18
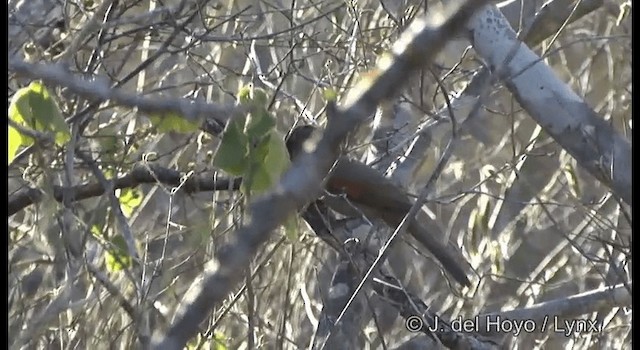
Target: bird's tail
440	251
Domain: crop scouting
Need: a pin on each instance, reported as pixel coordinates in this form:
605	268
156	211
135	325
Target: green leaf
256	151
219	341
15	141
254	176
172	122
259	123
116	257
130	199
277	159
244	94
256	181
96	231
259	98
252	97
329	94
216	342
34	108
111	146
291	228
232	152
268	159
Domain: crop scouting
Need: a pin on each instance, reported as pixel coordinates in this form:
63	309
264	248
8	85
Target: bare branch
554	106
98	89
545	24
141	174
545	313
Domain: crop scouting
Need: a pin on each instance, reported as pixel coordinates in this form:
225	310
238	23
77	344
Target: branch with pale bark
575	126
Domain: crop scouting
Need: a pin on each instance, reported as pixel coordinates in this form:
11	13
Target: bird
370	193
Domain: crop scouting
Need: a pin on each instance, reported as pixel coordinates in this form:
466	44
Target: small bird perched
375	196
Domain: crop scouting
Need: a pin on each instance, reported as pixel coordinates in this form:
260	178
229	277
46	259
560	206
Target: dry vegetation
534	225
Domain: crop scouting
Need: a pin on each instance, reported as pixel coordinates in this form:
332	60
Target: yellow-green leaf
116	257
216	342
15	141
232	152
172	122
96	231
259	97
244	93
268	159
34	108
130	199
254	177
259	123
219	341
252	97
277	159
329	94
291	228
256	181
265	156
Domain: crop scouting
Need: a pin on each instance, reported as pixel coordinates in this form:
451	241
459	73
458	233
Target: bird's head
296	142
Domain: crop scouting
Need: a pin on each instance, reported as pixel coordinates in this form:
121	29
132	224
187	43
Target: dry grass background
569	235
